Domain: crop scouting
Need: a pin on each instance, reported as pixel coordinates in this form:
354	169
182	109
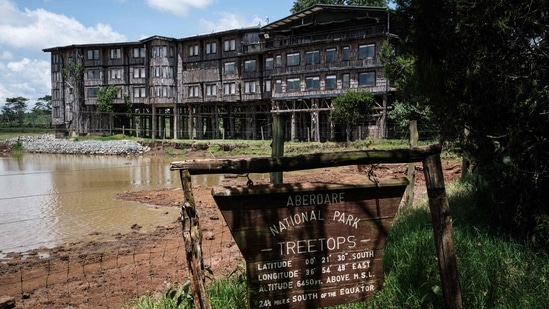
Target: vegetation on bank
496	271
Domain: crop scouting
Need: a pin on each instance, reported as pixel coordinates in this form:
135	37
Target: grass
496	271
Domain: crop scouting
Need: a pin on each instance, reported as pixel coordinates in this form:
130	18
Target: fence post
277	145
411	174
192	235
443	230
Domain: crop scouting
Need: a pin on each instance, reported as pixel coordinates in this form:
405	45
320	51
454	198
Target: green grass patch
495	270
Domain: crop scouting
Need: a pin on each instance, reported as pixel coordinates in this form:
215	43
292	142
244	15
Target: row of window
156	51
116	53
365	79
156	71
292	59
311	57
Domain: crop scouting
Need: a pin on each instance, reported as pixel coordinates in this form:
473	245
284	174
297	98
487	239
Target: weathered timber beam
304	162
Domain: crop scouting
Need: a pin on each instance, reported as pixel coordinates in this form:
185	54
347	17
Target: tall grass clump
495	270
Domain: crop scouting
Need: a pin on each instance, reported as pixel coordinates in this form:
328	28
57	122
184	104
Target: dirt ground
110	274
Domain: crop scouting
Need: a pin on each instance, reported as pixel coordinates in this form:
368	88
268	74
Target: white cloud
178	7
26	78
24	68
228	21
6	55
41	29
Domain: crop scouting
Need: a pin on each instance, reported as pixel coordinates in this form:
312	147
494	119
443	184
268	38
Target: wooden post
411	174
192	235
277	145
442	228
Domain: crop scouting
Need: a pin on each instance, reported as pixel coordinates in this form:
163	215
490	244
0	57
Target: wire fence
113	273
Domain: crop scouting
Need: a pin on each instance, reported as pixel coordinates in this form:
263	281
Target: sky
29	26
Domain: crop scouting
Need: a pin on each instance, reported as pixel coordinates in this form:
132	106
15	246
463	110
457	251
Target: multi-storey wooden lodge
228	84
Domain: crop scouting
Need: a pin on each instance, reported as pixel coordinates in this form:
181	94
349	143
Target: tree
482	65
409	104
351	107
73	76
105	98
17	107
42	110
300	5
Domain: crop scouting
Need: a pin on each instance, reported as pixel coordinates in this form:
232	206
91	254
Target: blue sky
28	26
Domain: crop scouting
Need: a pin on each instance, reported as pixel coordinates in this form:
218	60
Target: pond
52	199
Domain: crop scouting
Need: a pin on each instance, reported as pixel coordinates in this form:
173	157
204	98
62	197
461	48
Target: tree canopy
300	5
482	65
351	107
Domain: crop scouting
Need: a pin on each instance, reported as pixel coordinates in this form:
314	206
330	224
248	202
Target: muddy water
47	200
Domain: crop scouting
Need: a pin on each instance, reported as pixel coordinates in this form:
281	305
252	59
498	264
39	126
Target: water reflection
47	200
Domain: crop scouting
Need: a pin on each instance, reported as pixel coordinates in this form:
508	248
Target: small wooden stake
192	236
443	230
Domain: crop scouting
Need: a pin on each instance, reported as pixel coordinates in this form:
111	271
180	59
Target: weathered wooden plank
303	162
192	235
443	231
308	245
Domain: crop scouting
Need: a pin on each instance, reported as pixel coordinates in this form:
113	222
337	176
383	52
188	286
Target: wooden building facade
228	84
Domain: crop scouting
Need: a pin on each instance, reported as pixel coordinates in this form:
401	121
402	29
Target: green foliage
300	5
14	109
352	106
74	71
17	147
105	97
489	79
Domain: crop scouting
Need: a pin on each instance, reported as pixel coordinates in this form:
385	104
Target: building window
278	86
160	51
278	61
312	57
138	72
345	53
92	92
56	76
230	45
193	50
93	54
194	91
93	74
230	68
115	53
367	79
249	87
249	66
115	74
55	58
292	84
346	81
366	51
269	63
139	52
331	82
139	92
292	59
312	83
330	55
267	86
230	88
211	90
56	112
211	48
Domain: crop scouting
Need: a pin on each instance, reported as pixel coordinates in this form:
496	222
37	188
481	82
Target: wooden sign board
310	246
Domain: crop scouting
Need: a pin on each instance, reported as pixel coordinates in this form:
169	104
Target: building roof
325	14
